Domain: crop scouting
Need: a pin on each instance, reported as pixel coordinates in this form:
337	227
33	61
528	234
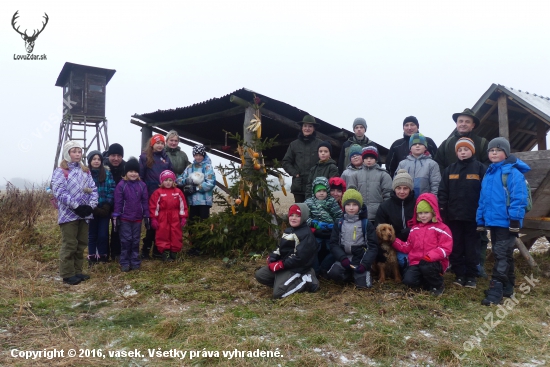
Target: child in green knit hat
353	243
324	211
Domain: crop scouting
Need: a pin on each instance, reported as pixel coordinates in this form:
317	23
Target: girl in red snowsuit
168	216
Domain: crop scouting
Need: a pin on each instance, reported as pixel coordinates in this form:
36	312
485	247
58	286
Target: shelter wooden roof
528	116
206	121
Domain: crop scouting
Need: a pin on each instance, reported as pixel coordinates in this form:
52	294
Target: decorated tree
248	222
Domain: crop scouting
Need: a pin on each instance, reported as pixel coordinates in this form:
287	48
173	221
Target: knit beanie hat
319	187
91	155
131	165
354	149
352	195
359	121
115	148
402	178
418	138
424	207
156	138
70	144
465	142
370	151
199	149
411	119
500	143
337	183
327	145
166	174
294	209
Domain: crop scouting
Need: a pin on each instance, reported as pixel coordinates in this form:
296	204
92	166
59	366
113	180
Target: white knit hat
70	144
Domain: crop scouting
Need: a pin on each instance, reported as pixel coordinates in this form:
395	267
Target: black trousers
114	245
466	248
197	212
299	198
503	249
424	275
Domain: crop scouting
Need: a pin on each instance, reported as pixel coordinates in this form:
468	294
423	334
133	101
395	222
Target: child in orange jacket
169	214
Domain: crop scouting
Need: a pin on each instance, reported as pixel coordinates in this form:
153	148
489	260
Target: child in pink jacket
429	245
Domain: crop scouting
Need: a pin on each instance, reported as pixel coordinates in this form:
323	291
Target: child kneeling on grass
289	266
429	245
353	243
76	195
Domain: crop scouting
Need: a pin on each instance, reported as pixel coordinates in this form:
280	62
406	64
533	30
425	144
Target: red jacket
431	239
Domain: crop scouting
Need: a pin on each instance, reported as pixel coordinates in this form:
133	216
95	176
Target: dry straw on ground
204	304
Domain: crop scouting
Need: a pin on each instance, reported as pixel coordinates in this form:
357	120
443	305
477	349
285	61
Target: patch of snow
344	359
129	291
426	334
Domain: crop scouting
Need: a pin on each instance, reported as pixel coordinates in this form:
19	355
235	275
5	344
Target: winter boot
125	268
74	280
507	290
438	291
166	256
156	253
173	256
470	283
494	294
92	260
83	277
460	281
103	258
145	251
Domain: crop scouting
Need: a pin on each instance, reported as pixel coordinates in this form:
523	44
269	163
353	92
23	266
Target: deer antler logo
29	40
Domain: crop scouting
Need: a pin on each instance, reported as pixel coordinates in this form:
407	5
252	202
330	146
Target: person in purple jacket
76	195
131	207
152	162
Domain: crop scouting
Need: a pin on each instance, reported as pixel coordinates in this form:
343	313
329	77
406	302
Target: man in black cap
466	122
300	156
399	150
114	161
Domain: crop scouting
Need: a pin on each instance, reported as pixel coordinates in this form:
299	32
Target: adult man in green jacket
300	156
466	122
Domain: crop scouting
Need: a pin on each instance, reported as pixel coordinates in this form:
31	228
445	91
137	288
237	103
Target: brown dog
386	236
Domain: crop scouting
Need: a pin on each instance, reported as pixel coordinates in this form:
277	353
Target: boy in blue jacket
503	224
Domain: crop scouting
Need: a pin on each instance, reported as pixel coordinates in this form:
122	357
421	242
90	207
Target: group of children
88	200
451	209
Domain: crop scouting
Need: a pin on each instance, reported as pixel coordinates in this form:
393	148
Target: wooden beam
201	119
241	102
523	109
541	136
523	250
525	132
188	142
488	113
294	125
503	128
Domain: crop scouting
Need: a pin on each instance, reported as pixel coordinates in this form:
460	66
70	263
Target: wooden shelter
205	123
524	119
84	91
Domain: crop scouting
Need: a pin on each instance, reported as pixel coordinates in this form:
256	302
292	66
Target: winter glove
147	223
102	211
155	224
514	226
116	224
360	269
189	189
346	263
314	224
83	211
481	229
324	226
183	220
276	266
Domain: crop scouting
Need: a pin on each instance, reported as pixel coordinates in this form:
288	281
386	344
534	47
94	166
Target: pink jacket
431	239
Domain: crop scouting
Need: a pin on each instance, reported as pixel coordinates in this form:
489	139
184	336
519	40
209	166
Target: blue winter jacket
203	195
492	210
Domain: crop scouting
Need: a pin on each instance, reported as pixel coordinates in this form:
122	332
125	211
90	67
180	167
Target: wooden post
146	133
503	128
541	135
523	250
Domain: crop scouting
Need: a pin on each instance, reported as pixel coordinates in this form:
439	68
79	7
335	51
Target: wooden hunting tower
84	90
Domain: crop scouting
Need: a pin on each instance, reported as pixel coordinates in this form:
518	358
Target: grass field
203	306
